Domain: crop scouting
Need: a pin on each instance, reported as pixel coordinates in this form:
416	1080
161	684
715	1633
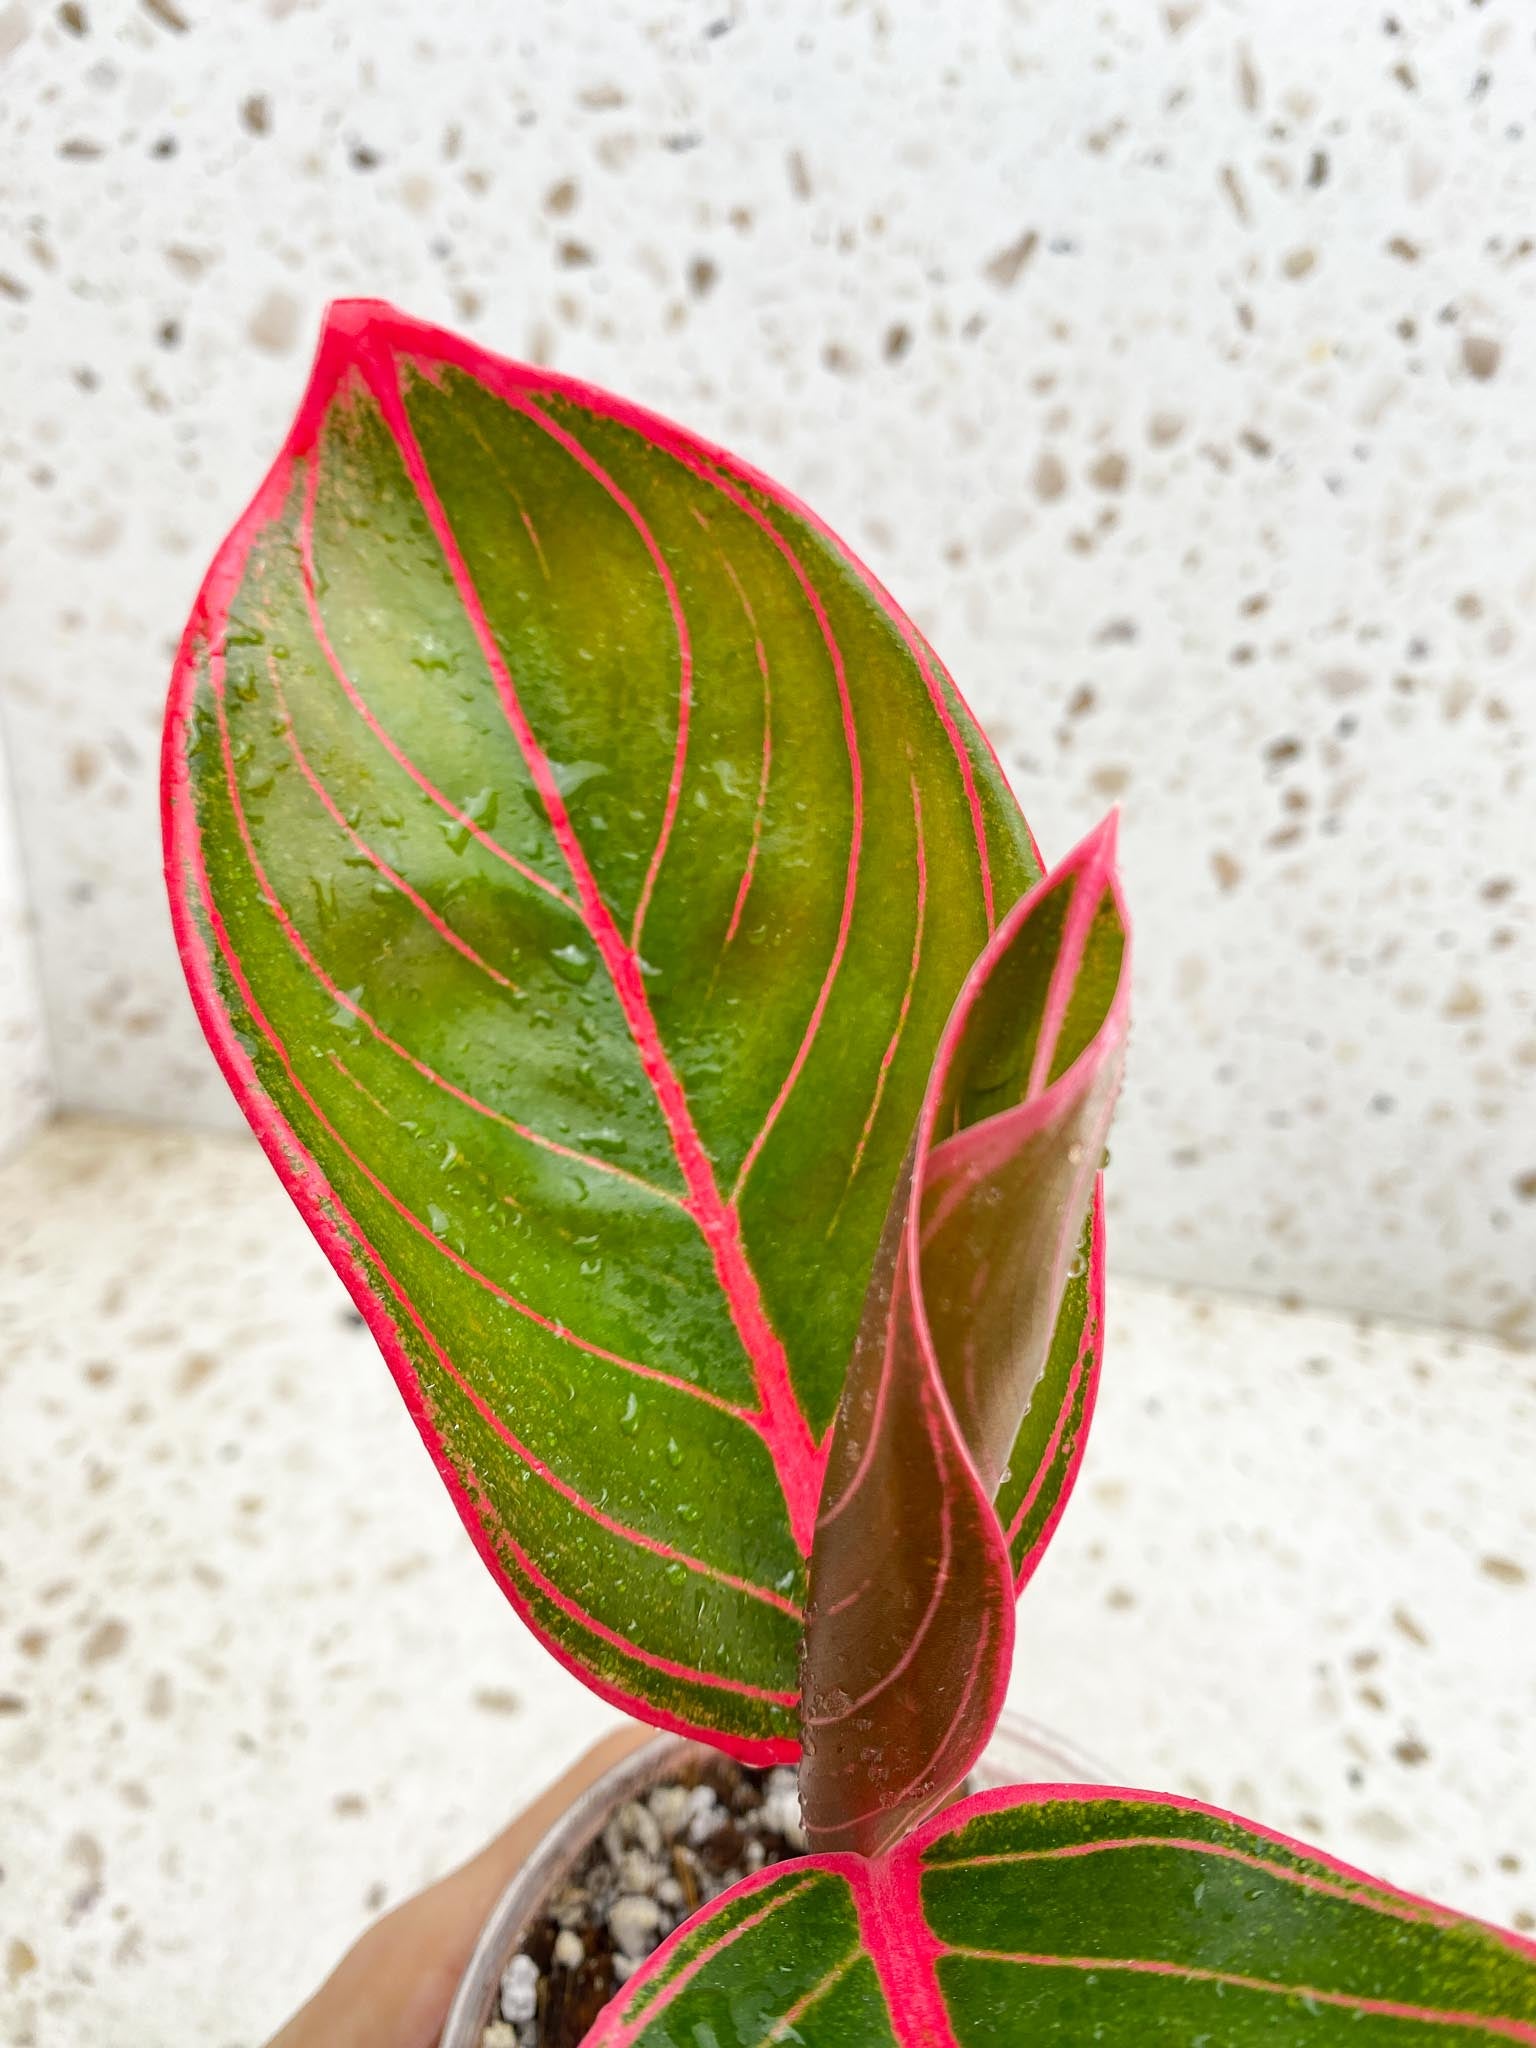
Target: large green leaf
575	856
1049	1916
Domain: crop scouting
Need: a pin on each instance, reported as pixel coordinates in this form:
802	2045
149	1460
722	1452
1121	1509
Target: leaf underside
574	858
1049	1915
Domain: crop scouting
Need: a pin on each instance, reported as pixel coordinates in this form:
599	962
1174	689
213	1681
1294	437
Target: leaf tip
1095	860
347	323
352	331
1101	848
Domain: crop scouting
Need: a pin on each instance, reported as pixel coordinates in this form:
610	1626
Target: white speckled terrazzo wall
25	1088
1175	364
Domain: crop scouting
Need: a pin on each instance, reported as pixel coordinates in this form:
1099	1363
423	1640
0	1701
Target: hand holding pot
392	1987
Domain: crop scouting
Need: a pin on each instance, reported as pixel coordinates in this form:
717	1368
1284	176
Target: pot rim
555	1860
568	1840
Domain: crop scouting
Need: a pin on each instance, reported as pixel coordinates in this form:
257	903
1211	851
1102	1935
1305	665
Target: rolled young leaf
909	1629
574	856
1051	1916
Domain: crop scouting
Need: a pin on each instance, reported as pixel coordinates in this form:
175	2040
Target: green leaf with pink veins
575	856
1049	1916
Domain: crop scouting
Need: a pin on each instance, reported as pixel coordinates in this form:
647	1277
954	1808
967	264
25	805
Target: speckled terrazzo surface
1175	363
25	1076
254	1683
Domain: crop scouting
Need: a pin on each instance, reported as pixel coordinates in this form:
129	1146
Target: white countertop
255	1684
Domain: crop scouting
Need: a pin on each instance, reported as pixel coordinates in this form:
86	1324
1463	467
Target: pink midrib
386	1193
668	581
488	1415
562	1601
364	710
779	1419
380	866
370	1023
893	1935
899	1942
904	1951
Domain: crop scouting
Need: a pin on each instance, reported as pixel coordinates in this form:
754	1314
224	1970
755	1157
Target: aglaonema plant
631	957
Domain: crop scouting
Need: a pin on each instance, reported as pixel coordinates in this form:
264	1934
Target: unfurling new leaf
909	1633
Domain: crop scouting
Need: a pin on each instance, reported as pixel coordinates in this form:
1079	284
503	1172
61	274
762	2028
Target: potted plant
631	958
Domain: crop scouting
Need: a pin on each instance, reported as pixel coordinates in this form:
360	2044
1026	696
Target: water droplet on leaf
343	1016
573	963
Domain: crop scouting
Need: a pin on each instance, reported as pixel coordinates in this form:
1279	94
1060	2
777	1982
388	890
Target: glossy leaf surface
909	1633
1047	1917
575	856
